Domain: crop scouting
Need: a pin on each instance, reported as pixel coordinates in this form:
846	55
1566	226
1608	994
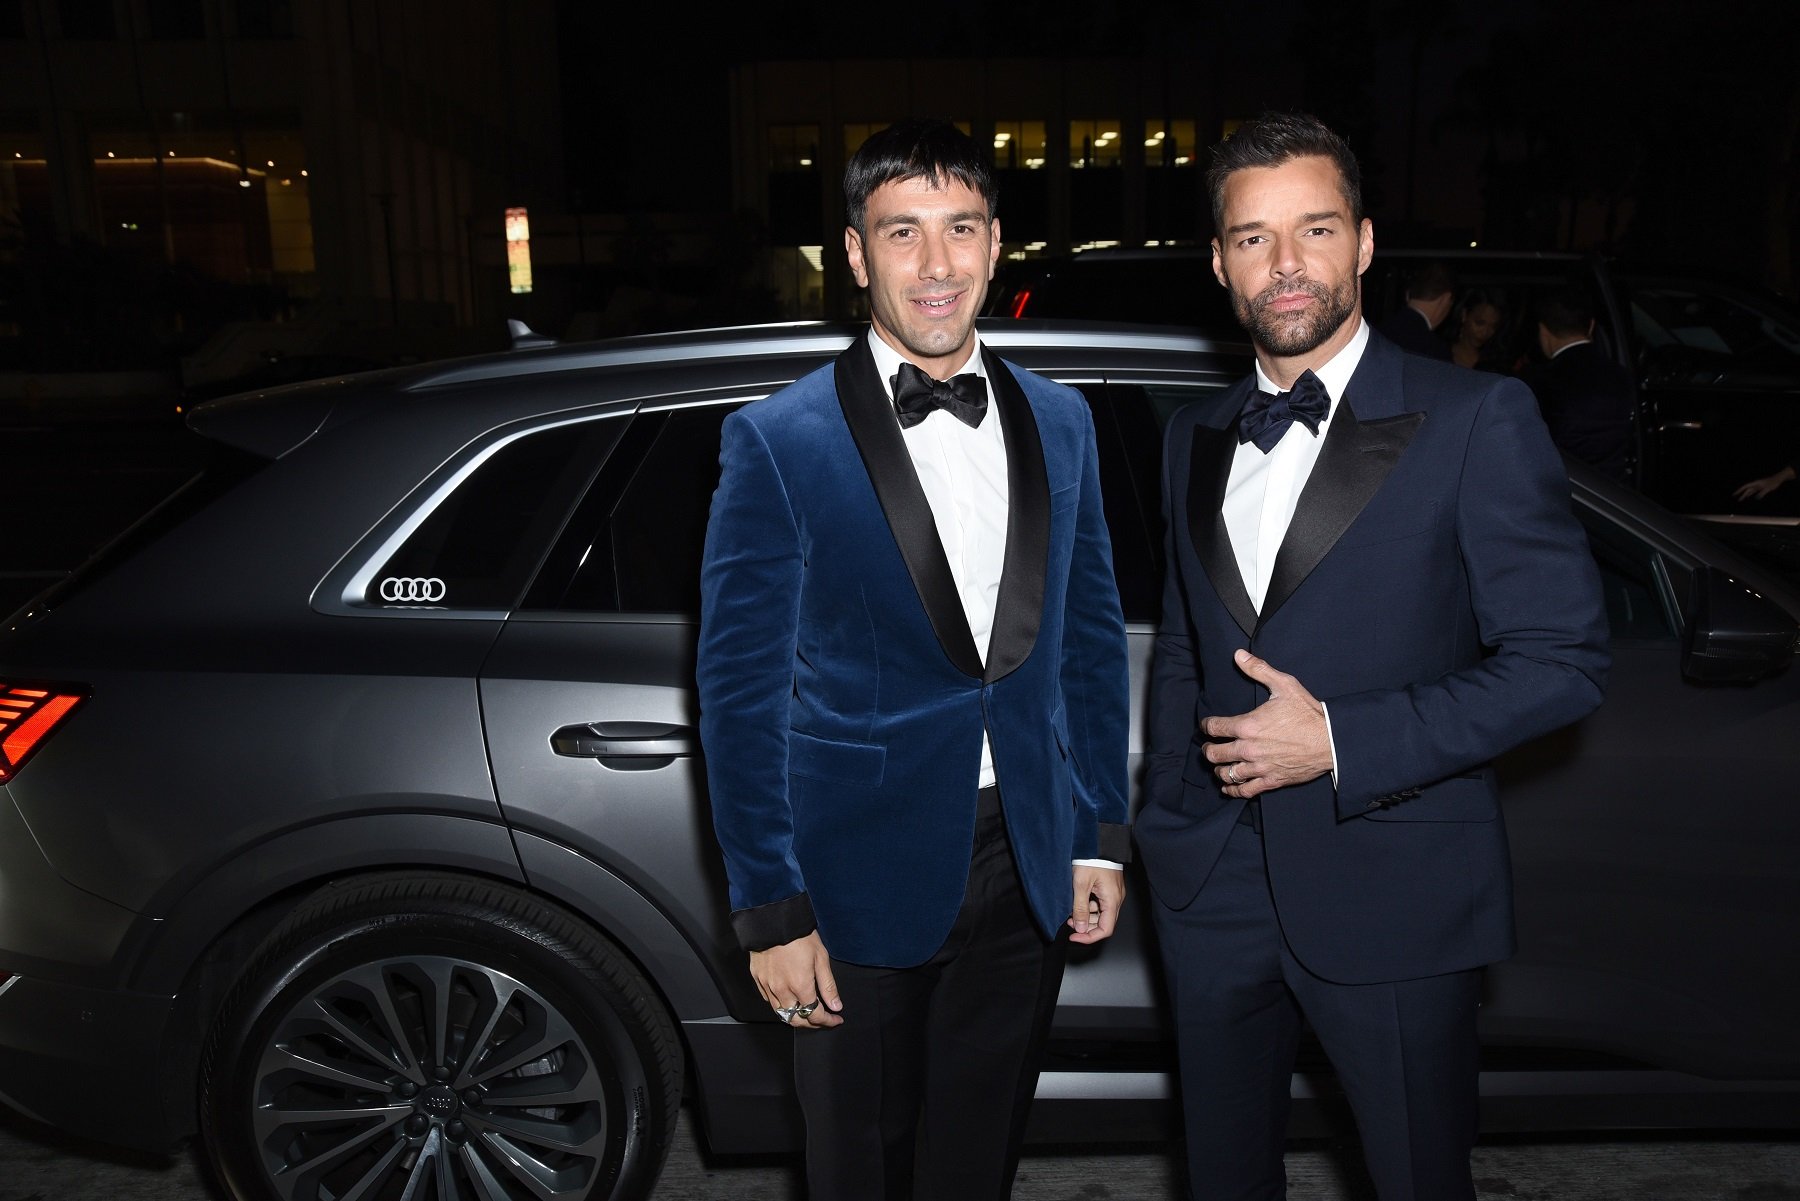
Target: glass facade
1095	143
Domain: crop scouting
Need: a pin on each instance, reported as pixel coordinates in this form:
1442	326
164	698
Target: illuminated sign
518	249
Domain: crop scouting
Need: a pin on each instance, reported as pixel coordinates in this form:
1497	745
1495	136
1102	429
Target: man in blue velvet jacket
1376	584
913	693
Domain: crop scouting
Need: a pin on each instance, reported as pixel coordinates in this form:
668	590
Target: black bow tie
916	394
1266	416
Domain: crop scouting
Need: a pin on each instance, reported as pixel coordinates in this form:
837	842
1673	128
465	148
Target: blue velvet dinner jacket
842	698
1436	592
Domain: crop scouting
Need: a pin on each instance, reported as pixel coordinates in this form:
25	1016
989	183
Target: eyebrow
1305	219
911	219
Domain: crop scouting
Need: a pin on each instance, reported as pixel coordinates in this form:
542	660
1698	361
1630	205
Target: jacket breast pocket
1395	525
856	763
1467	798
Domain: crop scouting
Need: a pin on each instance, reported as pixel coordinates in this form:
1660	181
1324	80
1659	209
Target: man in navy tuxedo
1376	585
913	692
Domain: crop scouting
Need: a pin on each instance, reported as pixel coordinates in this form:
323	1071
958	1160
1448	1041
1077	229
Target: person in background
1586	397
1430	295
1478	343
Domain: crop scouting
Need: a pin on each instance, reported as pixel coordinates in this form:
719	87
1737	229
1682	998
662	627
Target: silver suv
351	813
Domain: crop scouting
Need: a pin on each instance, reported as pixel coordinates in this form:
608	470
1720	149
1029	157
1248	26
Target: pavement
40	1164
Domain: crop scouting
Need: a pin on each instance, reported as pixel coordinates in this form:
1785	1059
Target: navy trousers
1405	1052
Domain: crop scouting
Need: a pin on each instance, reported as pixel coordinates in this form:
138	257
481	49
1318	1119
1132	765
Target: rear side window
479	545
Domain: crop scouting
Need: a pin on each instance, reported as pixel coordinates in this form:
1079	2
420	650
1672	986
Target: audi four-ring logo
415	589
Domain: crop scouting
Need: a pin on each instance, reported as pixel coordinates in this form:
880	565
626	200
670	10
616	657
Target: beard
1289	334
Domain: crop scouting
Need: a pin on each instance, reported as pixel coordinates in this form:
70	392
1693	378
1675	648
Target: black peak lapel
1352	465
1209	469
870	415
1019	610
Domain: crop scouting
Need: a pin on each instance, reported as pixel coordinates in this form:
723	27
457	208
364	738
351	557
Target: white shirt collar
888	360
1572	346
1336	372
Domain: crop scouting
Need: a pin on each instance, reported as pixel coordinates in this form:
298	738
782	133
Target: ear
1365	245
1219	264
853	250
993	245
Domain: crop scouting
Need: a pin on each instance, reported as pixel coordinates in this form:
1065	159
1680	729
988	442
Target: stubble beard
1290	334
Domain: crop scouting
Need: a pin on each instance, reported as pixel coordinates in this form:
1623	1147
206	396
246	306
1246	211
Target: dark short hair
1429	280
1277	138
1568	309
918	149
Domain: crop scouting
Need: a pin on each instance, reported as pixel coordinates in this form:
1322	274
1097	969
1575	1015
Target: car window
633	544
1638	604
1673	321
479	545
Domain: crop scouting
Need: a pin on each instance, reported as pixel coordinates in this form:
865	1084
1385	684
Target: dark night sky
1682	112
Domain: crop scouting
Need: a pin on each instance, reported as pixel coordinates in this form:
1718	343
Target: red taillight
27	715
1020	301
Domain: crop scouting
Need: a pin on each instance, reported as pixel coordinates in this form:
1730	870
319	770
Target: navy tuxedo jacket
842	696
1436	592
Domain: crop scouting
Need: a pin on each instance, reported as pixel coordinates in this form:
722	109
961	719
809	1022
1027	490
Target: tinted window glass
1128	434
1635	606
480	545
635	541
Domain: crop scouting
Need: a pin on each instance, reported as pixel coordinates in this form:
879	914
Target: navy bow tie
1266	416
916	394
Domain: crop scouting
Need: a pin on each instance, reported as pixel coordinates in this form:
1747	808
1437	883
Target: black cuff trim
771	925
1115	842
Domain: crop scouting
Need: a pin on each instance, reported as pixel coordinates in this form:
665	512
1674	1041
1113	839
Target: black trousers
921	1094
1405	1052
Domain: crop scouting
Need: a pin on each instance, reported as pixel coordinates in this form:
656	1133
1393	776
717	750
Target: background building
348	164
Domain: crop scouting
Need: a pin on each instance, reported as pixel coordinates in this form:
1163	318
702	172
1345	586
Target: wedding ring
1231	774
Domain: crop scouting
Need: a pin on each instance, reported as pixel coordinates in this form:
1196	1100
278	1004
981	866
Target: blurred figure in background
1585	396
1479	341
1430	295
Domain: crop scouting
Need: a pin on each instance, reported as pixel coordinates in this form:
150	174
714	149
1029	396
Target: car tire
429	1035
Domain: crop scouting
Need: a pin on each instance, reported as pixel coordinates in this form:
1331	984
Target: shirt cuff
1117	867
1330	742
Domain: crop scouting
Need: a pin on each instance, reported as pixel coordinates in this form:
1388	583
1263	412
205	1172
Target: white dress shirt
1263	489
963	474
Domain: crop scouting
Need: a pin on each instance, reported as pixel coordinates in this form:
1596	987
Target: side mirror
1733	635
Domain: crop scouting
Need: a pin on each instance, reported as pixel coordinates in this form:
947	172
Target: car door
589	705
1720	378
1653	851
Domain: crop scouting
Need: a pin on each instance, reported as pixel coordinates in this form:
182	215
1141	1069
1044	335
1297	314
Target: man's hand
1282	742
1099	892
799	973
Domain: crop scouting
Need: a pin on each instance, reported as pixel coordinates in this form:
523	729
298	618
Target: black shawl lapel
870	415
1352	465
1209	469
1019	610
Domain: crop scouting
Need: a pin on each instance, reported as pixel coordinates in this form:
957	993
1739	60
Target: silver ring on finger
1231	774
788	1013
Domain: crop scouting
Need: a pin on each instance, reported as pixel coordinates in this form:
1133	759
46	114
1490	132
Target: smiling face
1292	255
926	259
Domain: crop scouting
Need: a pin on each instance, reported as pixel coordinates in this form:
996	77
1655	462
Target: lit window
518	249
793	147
1094	143
1019	145
1169	143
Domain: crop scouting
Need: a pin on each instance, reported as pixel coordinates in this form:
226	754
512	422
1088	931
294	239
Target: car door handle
1666	426
630	740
